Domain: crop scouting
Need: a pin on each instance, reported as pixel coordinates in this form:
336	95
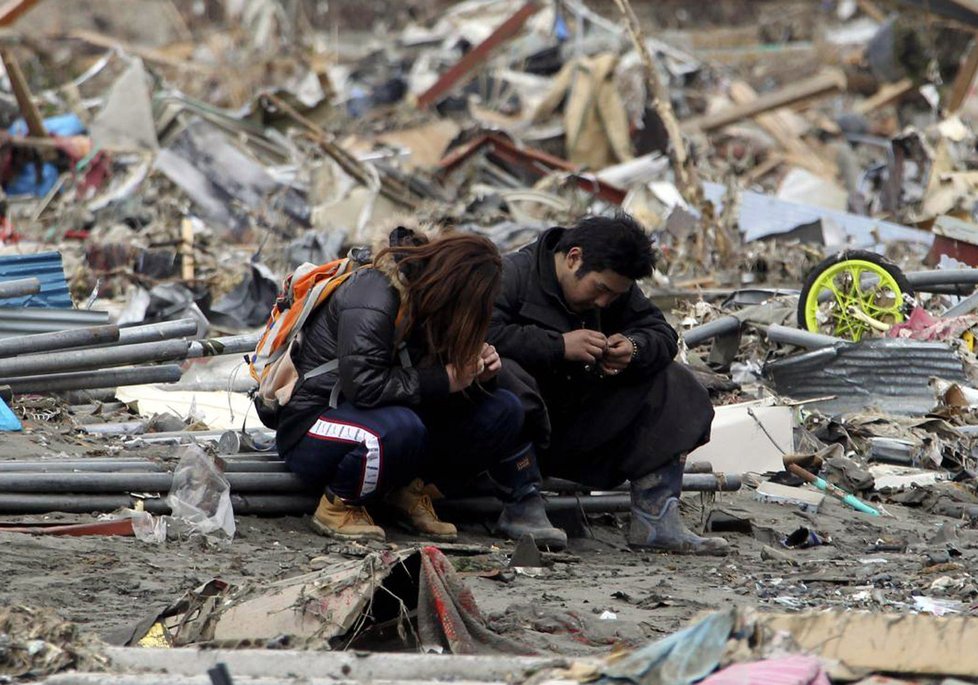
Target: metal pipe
155	332
277	505
491	506
139	482
20	287
965	306
700	334
243	505
921	279
92	358
795	336
232	344
58	340
692	482
69	466
186	437
91	380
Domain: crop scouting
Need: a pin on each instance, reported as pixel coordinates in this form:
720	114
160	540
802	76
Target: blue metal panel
46	267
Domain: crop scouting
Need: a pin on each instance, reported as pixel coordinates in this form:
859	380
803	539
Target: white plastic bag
200	495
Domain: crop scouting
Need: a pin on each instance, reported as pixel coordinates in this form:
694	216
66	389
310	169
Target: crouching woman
416	406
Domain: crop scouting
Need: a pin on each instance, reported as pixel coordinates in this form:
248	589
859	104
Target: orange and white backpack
303	291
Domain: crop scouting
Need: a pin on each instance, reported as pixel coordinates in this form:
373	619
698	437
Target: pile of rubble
809	173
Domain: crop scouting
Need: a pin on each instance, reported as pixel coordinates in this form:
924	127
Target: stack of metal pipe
260	484
108	356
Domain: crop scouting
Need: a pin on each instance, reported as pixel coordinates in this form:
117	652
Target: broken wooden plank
187	266
148	54
14	10
827	82
683	167
477	55
778	125
965	77
887	94
25	101
872	10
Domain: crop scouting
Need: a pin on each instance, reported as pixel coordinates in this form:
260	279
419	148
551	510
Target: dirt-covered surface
105	584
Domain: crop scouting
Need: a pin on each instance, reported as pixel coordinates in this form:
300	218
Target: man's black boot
524	513
656	522
528	516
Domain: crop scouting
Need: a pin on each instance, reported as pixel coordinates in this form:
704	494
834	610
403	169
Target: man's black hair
618	243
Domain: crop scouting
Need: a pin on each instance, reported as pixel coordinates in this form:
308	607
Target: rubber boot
656	523
336	519
528	516
414	505
524	513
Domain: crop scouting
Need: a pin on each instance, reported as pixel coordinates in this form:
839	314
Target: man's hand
491	363
618	356
460	379
584	345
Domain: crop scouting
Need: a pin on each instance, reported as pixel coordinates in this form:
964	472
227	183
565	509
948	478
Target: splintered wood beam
14	10
25	101
825	83
964	79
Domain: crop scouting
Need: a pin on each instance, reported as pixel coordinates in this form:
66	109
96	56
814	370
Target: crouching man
591	358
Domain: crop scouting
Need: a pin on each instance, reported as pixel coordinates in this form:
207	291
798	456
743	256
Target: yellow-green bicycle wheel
853	293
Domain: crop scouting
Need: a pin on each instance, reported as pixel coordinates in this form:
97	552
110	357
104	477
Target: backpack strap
334	395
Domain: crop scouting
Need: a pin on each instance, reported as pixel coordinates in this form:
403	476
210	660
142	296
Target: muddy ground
106	584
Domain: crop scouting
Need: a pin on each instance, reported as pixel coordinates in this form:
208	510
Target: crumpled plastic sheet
682	658
200	495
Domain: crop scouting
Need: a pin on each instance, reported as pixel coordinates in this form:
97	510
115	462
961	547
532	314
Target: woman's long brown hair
451	285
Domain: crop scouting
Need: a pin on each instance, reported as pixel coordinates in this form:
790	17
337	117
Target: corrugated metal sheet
28	320
46	267
888	374
764	215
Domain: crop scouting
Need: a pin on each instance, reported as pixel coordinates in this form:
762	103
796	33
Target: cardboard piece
739	444
805	498
874	642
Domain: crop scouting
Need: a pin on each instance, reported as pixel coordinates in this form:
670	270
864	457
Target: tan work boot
336	519
414	503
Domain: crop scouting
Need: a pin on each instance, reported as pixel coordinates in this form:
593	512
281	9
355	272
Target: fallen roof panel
889	374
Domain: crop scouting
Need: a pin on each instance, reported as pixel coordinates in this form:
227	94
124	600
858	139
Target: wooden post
964	79
687	181
187	250
23	94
